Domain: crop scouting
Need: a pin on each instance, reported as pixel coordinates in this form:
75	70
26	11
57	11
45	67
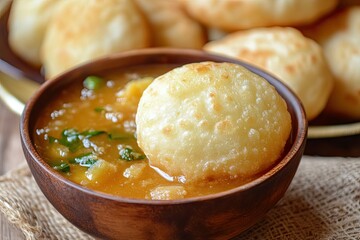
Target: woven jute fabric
322	202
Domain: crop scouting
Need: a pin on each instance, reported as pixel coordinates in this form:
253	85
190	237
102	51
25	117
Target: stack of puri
339	37
59	35
313	46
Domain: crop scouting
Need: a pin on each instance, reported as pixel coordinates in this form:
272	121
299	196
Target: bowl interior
113	63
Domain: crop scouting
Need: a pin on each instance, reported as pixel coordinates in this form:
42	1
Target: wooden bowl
221	215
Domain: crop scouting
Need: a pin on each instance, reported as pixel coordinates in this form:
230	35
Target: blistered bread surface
84	30
235	15
295	59
339	36
207	121
171	26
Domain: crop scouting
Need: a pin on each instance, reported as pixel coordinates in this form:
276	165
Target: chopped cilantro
91	133
128	154
63	167
120	136
99	109
52	139
84	160
71	138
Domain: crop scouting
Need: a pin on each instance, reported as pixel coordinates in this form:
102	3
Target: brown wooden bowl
221	215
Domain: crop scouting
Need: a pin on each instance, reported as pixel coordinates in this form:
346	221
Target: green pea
93	82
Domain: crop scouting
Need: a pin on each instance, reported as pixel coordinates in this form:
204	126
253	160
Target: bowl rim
299	137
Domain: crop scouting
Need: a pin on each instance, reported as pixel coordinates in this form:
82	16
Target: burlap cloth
323	202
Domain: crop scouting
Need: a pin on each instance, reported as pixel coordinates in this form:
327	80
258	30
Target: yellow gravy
87	133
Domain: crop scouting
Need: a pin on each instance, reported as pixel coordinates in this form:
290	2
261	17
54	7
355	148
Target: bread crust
339	36
296	60
210	121
171	26
84	30
27	24
235	15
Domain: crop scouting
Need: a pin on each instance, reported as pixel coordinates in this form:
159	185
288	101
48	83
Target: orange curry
87	133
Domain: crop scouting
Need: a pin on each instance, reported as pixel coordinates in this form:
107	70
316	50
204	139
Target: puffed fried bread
339	36
171	26
296	60
27	25
84	30
232	15
211	121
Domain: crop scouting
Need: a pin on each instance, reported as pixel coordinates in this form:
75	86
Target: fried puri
171	26
207	121
235	15
296	60
27	24
83	30
339	36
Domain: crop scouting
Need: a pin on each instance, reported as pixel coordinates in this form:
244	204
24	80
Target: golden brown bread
235	15
171	26
83	30
296	60
339	36
28	21
210	121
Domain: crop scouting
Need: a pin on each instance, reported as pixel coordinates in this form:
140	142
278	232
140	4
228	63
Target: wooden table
11	156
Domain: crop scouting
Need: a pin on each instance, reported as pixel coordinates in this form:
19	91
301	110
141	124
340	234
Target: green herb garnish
71	138
91	133
84	160
128	154
52	139
93	82
63	167
99	109
120	136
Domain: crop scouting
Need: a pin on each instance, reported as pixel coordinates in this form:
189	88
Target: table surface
11	156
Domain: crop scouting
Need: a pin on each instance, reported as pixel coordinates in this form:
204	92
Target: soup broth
87	133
